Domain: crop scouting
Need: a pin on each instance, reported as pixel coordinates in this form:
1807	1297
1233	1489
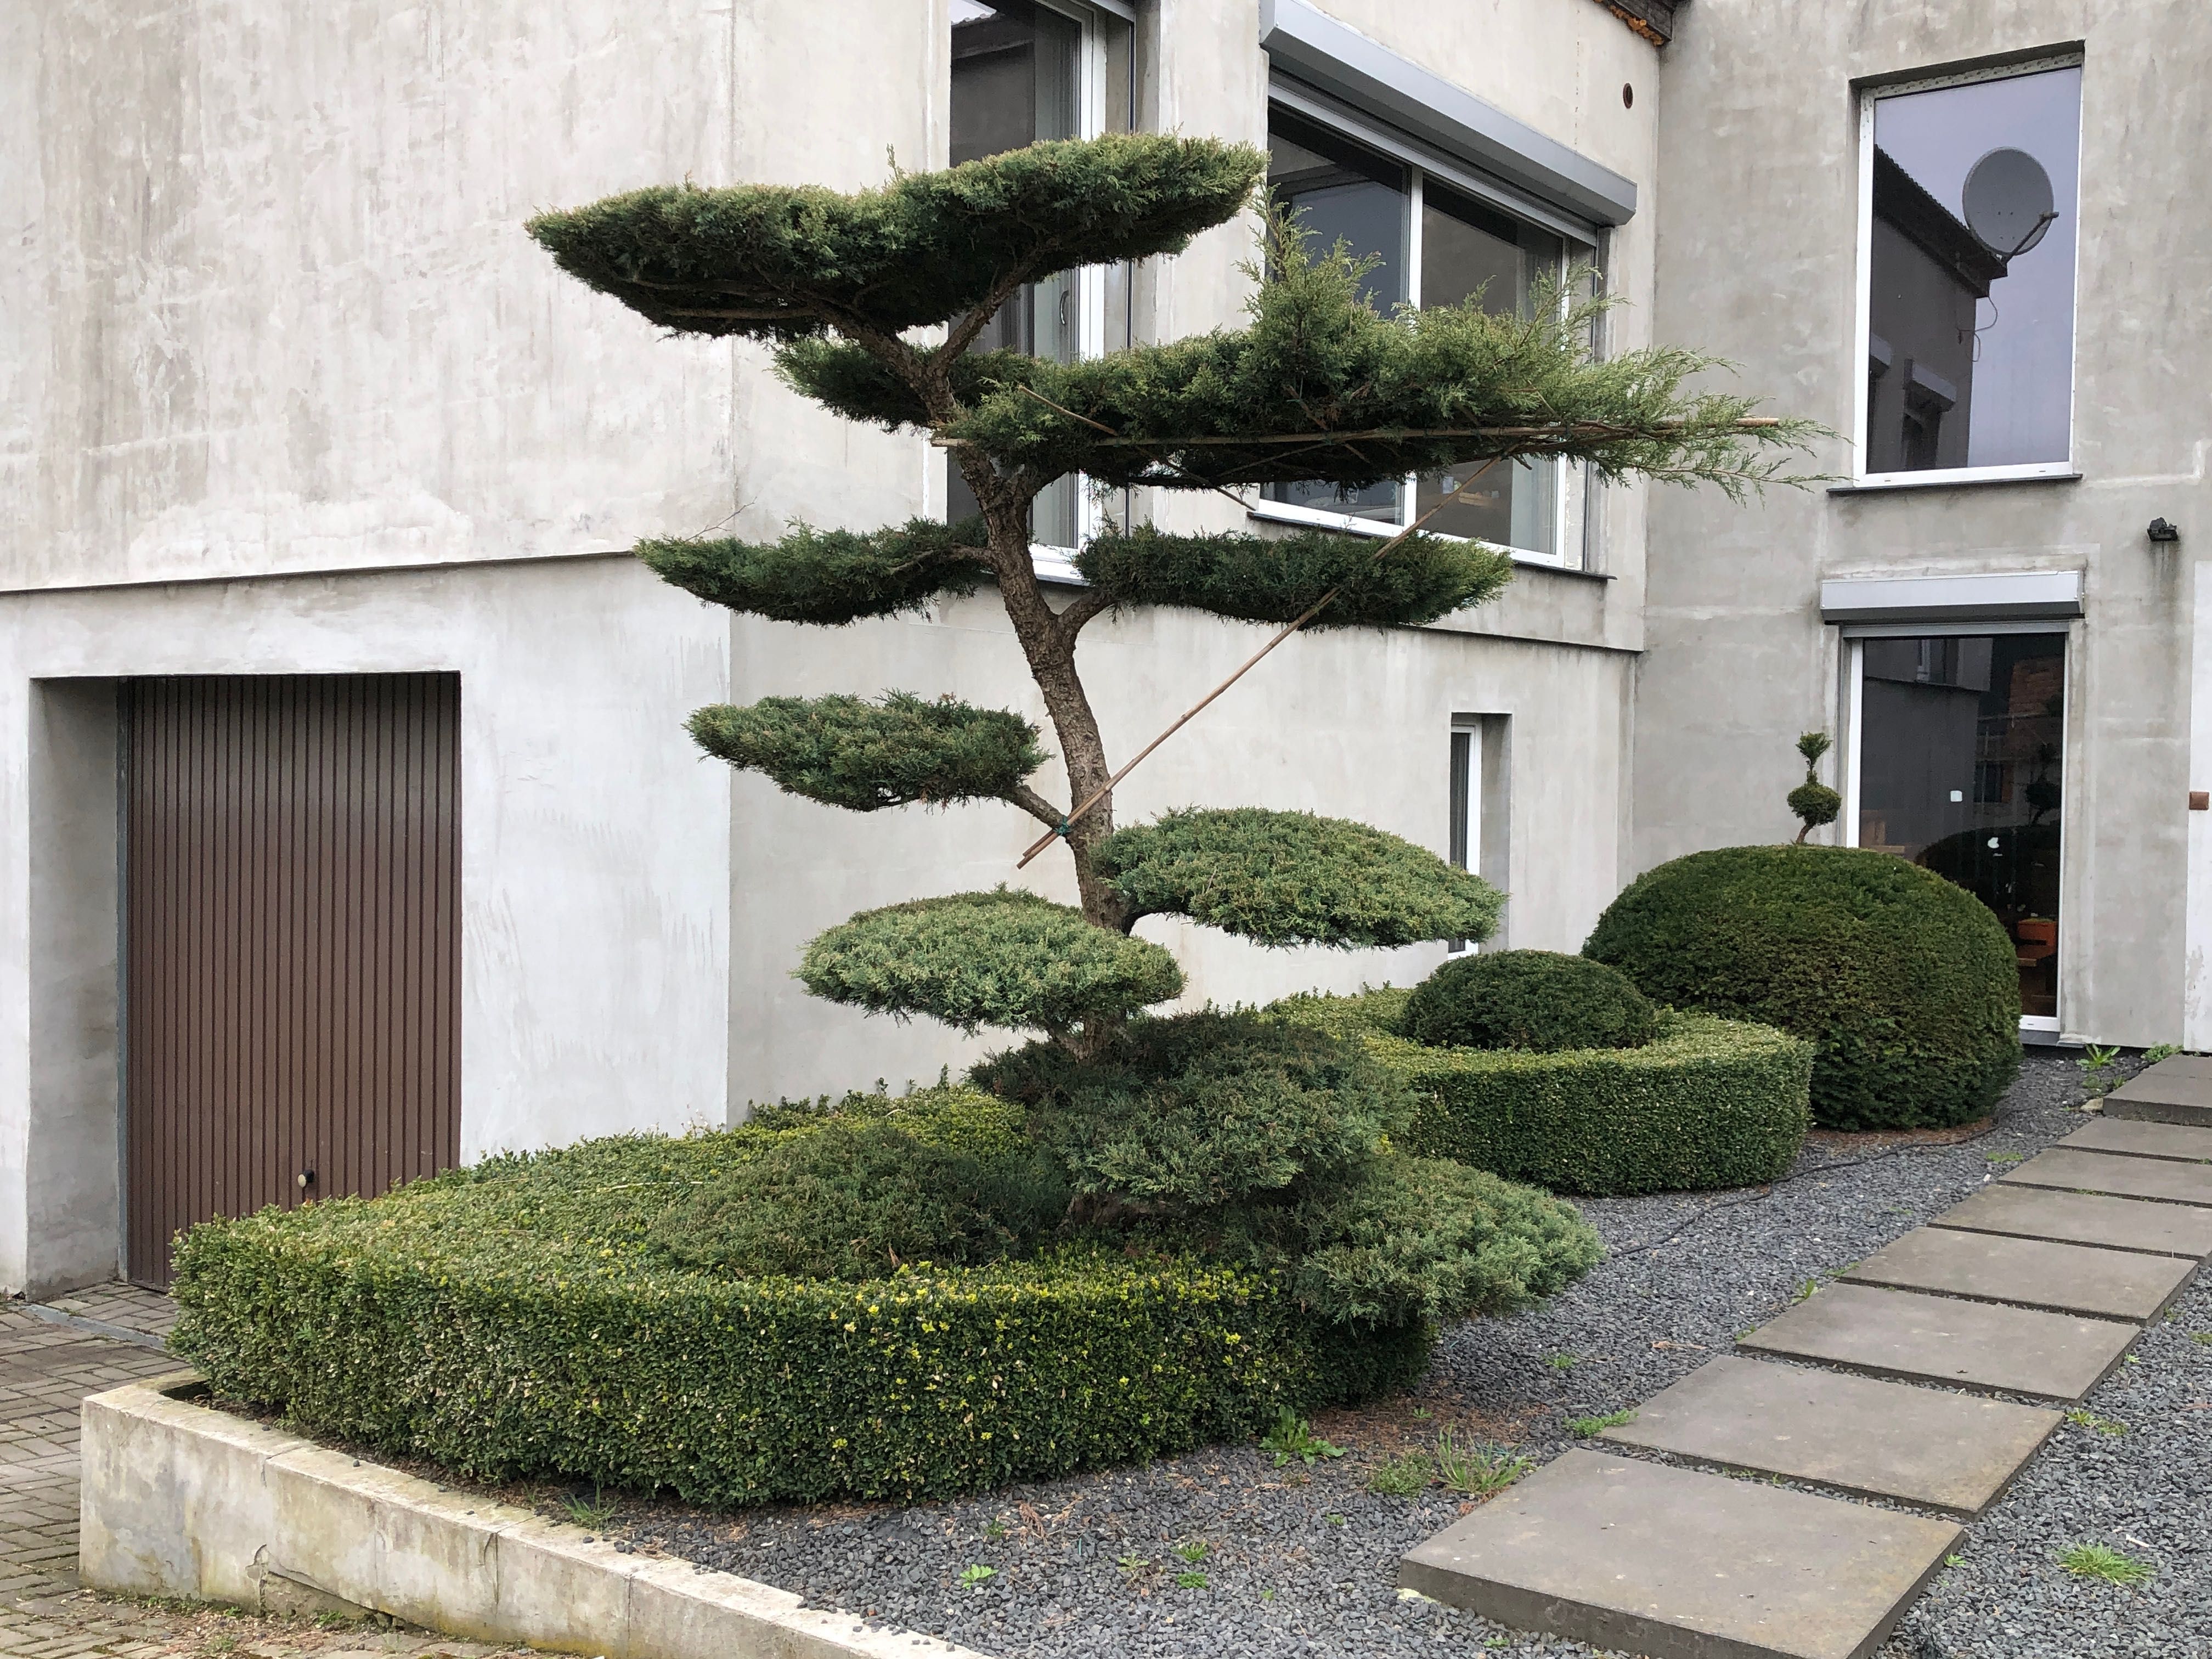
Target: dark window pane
1013	83
1970	303
1467	250
1961	764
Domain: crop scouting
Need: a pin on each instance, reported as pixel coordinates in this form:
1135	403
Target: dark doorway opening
292	943
1961	768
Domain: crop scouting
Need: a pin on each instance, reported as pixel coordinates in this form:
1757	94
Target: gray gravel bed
1299	1561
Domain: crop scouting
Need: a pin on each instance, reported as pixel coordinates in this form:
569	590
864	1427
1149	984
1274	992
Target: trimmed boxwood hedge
1907	983
1707	1102
512	1319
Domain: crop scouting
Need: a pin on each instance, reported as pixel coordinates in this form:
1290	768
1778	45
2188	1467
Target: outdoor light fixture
2161	530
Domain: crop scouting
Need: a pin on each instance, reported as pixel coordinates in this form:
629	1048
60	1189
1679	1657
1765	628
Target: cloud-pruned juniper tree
874	302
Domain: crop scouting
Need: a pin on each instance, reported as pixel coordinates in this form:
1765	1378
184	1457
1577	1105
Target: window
1433	244
1023	72
1477	798
1972	189
1961	763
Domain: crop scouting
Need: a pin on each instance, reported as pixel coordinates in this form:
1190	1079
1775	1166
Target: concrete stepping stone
1640	1558
2123	1178
2138	1137
1940	1339
2116	1224
1948	1451
2178	1090
2033	1273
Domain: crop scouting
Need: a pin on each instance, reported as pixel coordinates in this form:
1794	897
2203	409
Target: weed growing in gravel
995	1527
1806	1288
1292	1440
1584	1428
2095	1561
1402	1476
2096	1066
2159	1051
1954	1560
2004	1158
1132	1563
1190	1581
1334	1520
592	1513
1195	1552
1479	1468
975	1574
2204	1337
2091	1420
1267	1596
1563	1362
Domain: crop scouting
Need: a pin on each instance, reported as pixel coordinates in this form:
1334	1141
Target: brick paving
51	1358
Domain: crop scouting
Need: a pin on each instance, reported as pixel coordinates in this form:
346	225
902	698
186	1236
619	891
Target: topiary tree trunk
852	290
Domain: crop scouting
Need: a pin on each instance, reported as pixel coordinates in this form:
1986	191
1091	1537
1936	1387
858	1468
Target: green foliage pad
780	262
1708	1103
1907	984
846	752
1542	1001
1278	579
828	577
1006	958
1295	879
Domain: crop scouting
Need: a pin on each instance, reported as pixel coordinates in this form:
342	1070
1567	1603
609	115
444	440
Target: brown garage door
292	915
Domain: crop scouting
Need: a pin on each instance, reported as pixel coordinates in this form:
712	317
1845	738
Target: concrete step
2178	1090
2117	1224
2031	1272
1938	1339
1947	1451
2136	1138
2123	1178
1641	1558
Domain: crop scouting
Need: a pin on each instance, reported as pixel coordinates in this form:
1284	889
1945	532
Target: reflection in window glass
1015	81
1342	192
1970	339
1962	767
1467	251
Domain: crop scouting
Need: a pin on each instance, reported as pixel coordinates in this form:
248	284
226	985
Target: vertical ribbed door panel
292	943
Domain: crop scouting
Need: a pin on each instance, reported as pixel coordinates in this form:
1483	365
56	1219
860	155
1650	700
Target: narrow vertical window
1972	193
1466	775
1022	73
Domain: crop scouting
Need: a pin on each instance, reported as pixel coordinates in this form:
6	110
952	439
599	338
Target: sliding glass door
1961	767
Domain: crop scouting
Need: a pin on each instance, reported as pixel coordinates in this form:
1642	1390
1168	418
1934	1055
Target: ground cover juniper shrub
1906	984
1708	1103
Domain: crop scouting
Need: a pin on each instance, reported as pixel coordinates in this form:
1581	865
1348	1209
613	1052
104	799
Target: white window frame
1418	169
1862	328
1855	637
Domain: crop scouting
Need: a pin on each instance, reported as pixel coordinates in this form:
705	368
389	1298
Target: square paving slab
1950	1451
2123	1178
2134	1138
1973	1344
2175	1090
2035	1272
2117	1224
1639	1558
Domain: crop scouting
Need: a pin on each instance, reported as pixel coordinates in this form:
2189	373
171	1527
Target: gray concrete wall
288	390
1757	216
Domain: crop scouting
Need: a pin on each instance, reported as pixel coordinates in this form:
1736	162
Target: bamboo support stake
1251	662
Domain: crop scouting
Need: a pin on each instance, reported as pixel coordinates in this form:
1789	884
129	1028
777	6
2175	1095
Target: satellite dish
2009	203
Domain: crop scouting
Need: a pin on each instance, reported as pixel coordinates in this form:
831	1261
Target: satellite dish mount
2009	203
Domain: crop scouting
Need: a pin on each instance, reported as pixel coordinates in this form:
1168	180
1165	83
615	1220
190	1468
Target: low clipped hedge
1707	1102
512	1319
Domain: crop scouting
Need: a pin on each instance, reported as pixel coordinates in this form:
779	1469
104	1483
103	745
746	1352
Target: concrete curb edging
180	1499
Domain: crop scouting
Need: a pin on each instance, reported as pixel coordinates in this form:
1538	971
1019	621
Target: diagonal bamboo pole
1251	662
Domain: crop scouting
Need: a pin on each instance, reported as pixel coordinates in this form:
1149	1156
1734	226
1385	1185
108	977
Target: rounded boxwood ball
1906	984
1536	1000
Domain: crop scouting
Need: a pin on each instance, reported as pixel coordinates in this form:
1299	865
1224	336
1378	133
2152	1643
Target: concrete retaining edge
181	1499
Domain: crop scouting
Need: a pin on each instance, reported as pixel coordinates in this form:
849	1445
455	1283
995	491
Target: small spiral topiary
1540	1000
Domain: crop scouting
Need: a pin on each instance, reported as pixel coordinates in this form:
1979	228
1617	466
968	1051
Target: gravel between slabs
1221	1553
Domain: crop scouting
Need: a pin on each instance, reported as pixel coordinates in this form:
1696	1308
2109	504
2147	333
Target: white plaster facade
284	388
